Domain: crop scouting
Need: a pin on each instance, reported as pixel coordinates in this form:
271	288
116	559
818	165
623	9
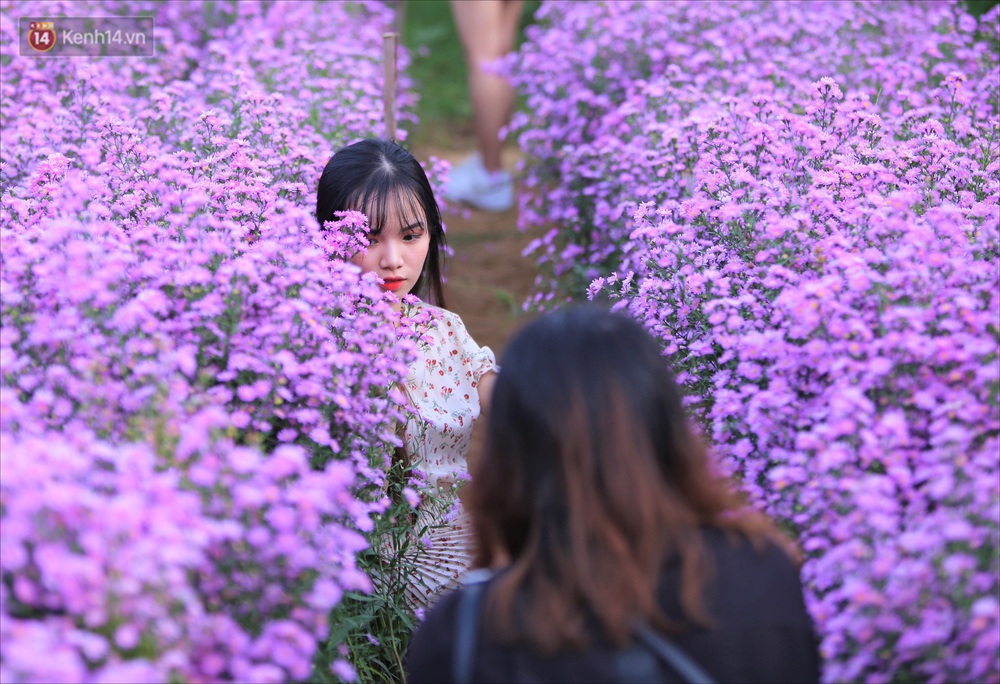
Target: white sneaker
461	175
471	183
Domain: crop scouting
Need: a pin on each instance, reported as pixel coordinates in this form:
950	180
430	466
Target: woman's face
397	254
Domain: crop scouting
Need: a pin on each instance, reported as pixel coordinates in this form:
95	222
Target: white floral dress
441	389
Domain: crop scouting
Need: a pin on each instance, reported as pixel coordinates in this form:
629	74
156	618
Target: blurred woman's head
385	182
590	480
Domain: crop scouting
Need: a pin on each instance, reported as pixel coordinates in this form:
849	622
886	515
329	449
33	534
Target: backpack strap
670	653
637	665
466	626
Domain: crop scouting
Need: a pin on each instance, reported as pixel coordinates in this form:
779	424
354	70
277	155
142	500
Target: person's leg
488	29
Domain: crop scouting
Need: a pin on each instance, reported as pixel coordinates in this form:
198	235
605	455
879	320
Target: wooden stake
400	19
389	89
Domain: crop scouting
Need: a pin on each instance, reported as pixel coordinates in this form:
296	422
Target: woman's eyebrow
413	226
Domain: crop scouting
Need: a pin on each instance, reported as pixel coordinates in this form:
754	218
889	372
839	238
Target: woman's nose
392	256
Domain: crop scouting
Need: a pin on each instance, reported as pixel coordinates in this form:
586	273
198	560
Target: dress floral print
441	389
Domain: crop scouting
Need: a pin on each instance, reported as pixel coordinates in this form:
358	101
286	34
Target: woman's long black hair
366	176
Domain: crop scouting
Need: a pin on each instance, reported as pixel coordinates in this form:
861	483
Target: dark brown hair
591	480
370	174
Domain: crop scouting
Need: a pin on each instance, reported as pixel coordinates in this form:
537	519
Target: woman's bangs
378	203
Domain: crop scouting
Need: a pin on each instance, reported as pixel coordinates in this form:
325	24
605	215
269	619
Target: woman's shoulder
740	547
445	337
450	331
429	656
735	551
753	579
437	313
753	597
423	315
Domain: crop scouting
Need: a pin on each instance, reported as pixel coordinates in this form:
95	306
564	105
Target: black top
762	632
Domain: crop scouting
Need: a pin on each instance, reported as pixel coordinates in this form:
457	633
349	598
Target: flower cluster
197	414
803	203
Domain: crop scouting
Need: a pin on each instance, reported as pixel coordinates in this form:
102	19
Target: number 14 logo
42	35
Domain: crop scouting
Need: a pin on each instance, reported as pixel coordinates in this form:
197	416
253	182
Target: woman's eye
412	237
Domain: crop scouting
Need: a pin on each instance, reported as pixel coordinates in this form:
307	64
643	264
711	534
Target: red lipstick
393	284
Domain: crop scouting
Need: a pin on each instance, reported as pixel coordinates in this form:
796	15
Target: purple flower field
801	200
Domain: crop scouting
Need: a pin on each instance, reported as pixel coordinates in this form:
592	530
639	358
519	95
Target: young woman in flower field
597	502
449	384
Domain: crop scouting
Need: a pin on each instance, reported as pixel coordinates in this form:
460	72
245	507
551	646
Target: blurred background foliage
438	67
980	7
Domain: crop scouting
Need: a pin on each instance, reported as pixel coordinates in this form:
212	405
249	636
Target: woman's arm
485	389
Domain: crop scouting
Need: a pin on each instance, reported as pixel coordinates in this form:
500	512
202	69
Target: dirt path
488	279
